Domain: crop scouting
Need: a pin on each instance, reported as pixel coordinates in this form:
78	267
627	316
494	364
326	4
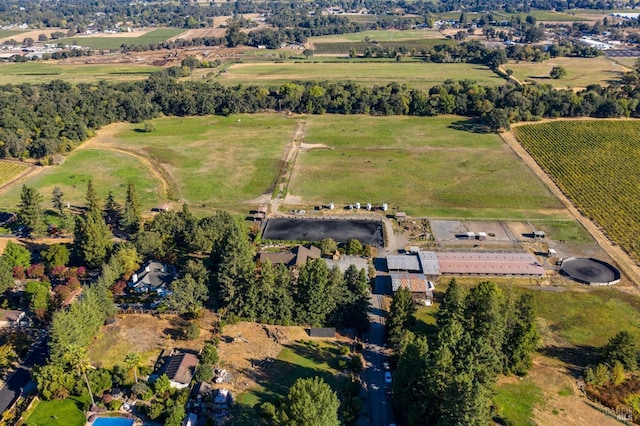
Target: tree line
40	121
480	334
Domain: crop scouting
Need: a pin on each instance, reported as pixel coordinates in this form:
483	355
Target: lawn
296	360
43	72
107	43
64	412
441	167
413	74
515	401
581	72
110	171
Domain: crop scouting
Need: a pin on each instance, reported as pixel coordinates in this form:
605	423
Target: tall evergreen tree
452	306
314	300
132	217
56	200
401	316
265	287
356	308
282	302
522	337
311	402
112	210
92	239
93	204
410	386
30	210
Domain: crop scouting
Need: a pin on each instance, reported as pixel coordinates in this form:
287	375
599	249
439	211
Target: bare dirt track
622	259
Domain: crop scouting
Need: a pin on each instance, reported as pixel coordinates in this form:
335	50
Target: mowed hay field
44	72
413	74
439	167
212	161
581	72
110	171
596	163
110	41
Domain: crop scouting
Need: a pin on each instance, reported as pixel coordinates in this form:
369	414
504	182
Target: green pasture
44	72
379	35
515	401
59	412
413	74
344	47
110	171
439	166
10	33
214	160
581	72
108	43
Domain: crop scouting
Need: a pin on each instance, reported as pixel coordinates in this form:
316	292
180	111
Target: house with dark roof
11	318
154	277
298	256
180	369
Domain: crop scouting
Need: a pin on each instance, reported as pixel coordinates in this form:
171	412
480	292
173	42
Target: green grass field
515	401
110	171
10	33
64	412
426	166
43	72
343	48
581	72
379	35
418	75
107	43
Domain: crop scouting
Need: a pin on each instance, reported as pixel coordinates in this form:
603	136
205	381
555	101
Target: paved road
380	413
22	376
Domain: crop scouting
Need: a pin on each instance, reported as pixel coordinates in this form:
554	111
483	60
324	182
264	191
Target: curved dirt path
165	188
624	261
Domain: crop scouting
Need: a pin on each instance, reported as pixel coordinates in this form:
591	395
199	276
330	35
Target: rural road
380	412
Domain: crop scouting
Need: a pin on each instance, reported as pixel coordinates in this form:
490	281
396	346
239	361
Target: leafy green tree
127	256
76	357
38	295
204	373
175	415
132	362
328	246
16	255
7	355
209	354
99	380
30	210
188	295
93	203
354	247
132	217
53	381
92	239
621	348
162	385
558	72
6	276
311	402
56	200
55	255
599	375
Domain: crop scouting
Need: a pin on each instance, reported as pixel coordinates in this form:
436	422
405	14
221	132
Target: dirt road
622	259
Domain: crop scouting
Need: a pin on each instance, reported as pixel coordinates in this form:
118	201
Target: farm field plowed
597	165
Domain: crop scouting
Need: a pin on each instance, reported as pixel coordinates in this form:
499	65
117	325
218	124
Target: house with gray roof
153	277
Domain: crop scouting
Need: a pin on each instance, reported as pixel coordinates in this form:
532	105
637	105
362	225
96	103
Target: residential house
154	277
9	318
420	287
180	369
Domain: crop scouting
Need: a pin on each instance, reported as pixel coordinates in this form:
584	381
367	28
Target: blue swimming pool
112	421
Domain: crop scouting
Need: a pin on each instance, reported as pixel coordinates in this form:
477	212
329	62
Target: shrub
193	331
356	363
267	410
344	350
115	405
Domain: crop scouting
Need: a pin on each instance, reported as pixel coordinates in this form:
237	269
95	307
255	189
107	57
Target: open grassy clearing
214	160
433	166
581	72
343	48
9	170
516	400
596	164
10	33
97	42
110	171
41	72
379	35
63	412
419	75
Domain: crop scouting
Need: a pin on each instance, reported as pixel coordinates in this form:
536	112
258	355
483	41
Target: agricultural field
413	74
438	167
10	33
44	72
110	171
9	170
343	48
379	35
106	42
595	163
581	72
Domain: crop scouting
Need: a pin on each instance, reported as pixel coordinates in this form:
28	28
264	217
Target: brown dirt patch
33	34
204	32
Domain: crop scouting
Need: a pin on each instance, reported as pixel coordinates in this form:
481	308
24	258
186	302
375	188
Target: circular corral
590	271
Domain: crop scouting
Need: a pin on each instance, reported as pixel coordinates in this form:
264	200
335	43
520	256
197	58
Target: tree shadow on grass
577	357
473	125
